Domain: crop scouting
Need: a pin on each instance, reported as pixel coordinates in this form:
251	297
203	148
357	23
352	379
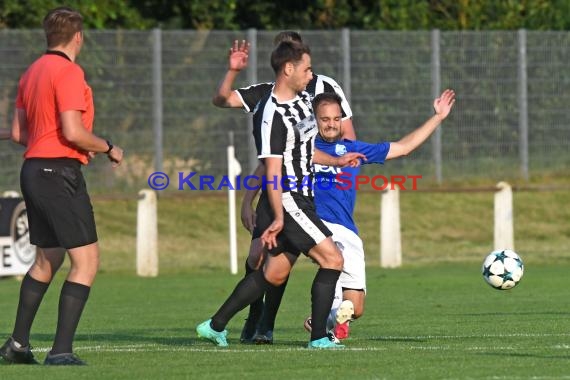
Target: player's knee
275	280
337	261
332	262
358	312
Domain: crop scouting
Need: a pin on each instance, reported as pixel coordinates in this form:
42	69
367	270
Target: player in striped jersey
285	131
247	97
256	328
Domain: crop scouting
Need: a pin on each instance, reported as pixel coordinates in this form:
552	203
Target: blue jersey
335	188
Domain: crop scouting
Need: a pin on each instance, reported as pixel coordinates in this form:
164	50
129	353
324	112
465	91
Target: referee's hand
115	156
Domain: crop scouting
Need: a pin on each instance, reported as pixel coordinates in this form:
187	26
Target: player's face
329	119
303	73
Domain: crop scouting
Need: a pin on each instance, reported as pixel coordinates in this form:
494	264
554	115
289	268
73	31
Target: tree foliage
300	14
99	14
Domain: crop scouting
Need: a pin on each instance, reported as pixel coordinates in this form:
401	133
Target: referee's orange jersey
51	85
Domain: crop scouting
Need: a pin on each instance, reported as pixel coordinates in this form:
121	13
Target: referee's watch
109	146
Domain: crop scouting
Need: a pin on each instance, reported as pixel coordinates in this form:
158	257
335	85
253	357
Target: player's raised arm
410	142
225	96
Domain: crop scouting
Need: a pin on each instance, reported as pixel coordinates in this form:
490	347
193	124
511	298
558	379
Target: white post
11	194
504	235
147	235
390	235
234	169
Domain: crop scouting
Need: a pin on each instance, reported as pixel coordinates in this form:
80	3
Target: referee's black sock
256	307
246	291
31	294
322	294
72	300
273	297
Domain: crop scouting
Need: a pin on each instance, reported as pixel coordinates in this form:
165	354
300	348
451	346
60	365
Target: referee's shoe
16	355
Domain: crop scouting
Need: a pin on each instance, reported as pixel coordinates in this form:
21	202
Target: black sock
246	291
72	299
273	297
31	294
256	307
322	294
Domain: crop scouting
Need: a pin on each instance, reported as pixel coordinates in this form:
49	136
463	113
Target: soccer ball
503	269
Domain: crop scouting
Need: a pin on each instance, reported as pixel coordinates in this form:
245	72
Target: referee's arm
20	127
74	132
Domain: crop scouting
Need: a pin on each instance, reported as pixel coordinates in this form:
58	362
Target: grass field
434	318
436	227
436	322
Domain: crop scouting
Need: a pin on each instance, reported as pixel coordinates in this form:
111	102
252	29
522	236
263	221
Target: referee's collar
57	52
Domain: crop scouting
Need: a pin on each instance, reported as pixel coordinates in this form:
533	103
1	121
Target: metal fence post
252	79
345	43
523	105
435	90
157	96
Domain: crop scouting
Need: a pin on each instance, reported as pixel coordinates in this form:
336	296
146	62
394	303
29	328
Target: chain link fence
153	92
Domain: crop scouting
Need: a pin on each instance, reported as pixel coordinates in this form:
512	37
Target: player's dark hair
61	24
287	35
288	51
326	98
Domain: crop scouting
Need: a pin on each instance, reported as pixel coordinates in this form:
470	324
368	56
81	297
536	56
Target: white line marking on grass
517	335
377	346
168	348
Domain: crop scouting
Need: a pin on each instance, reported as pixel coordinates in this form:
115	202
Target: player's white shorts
353	274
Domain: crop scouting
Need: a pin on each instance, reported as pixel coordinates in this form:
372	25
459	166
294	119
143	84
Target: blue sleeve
375	153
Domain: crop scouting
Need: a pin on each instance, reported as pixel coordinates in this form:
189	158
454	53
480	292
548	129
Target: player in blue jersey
335	192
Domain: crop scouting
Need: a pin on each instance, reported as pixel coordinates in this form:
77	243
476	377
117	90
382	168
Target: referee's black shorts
302	228
58	206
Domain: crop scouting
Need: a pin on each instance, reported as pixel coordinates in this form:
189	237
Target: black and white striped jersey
287	130
251	95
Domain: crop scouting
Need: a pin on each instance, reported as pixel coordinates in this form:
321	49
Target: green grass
436	227
434	318
433	322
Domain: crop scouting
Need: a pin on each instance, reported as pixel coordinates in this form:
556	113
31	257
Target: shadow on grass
181	337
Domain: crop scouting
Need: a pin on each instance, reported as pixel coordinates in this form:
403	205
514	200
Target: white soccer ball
503	269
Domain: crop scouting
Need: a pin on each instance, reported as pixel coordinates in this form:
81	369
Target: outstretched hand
444	103
238	55
352	159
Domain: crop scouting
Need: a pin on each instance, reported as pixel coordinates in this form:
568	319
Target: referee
54	121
